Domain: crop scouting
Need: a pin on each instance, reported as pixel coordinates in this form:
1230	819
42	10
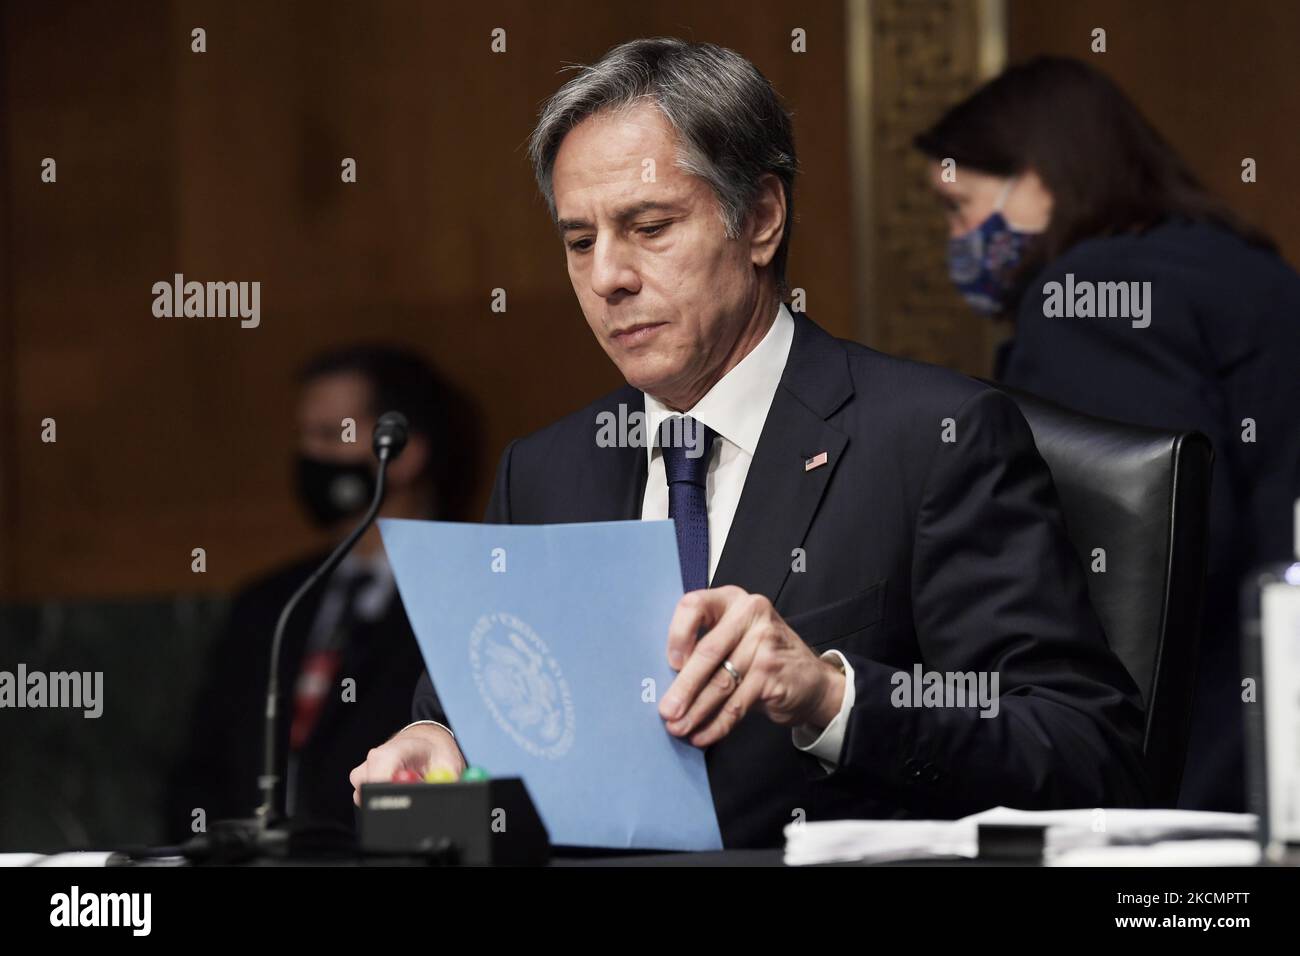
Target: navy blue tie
686	445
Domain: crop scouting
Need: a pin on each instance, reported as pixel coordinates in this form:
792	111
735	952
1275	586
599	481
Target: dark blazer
950	554
220	768
1223	346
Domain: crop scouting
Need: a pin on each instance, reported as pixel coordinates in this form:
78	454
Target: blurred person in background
352	625
1059	179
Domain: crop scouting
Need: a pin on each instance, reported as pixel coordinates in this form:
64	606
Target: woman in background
1059	179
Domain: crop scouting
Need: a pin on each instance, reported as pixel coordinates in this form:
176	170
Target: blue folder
547	647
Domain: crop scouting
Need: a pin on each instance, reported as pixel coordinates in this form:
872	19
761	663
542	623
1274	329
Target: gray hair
731	127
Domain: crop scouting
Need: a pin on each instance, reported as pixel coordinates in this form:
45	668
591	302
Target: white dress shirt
736	409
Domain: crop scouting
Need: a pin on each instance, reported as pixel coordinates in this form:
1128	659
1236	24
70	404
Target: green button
474	773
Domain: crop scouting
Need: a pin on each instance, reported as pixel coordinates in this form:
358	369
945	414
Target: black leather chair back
1137	498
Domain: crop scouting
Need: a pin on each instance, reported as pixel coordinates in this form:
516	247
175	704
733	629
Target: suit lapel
781	495
619	473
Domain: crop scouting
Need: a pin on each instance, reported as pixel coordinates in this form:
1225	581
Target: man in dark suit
859	535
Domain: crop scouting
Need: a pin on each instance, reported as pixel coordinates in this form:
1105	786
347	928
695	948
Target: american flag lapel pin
816	461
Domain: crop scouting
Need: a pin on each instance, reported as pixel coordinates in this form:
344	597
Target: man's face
667	295
324	403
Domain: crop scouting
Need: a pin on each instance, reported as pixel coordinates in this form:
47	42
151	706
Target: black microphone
391	432
235	838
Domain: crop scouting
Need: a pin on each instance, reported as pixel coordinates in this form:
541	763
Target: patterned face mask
982	262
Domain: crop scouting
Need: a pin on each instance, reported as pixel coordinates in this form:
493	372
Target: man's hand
779	673
419	748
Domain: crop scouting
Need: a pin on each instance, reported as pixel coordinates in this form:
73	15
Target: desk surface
714	858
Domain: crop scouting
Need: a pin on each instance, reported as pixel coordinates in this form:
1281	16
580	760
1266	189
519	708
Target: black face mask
332	490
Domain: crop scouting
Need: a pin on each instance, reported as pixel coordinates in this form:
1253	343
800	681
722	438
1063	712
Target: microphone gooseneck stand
268	832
